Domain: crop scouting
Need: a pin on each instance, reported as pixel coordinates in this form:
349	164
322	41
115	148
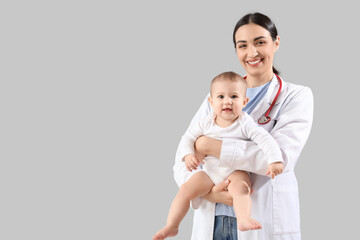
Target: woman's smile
254	63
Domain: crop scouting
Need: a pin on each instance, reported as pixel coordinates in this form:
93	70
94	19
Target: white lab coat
275	203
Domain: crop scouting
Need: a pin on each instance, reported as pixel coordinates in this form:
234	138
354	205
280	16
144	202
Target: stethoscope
264	119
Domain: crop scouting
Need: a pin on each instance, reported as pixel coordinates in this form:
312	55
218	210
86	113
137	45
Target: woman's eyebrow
243	41
257	38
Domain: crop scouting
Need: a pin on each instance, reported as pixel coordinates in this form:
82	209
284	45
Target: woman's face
255	49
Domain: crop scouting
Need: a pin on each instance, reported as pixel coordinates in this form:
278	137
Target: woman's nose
252	51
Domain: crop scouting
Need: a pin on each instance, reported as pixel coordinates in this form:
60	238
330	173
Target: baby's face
227	100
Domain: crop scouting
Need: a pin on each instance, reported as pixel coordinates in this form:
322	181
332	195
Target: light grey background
95	95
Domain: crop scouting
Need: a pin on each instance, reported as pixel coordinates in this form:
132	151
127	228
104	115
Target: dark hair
261	20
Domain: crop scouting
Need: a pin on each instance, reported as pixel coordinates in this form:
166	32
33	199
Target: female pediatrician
286	111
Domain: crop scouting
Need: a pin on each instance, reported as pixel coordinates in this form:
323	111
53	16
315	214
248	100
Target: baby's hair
229	76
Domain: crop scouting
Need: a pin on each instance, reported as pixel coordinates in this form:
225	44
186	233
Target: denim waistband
225	228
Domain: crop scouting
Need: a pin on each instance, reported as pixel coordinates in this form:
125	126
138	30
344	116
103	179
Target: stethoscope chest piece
264	119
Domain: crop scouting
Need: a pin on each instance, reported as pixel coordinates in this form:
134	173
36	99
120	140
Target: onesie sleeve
262	138
195	130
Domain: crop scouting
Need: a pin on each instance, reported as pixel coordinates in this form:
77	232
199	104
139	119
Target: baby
227	120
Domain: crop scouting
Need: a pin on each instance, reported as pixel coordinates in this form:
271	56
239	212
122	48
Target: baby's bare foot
167	231
247	223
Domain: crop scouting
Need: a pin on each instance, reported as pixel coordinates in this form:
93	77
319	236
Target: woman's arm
290	132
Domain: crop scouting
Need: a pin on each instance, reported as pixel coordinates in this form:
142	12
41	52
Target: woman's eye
242	45
260	42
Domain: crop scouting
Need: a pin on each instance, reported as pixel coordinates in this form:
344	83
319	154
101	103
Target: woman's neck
259	80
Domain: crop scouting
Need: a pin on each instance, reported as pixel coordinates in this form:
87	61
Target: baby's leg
240	188
198	185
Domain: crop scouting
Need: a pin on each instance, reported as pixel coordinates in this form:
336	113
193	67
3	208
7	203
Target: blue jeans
225	228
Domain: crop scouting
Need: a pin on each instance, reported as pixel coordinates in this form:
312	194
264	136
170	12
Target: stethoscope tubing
276	97
264	119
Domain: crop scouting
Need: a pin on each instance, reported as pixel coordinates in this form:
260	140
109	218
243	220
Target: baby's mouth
227	109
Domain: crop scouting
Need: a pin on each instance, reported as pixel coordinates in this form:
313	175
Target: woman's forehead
251	32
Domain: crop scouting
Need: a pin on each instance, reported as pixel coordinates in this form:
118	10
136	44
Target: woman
275	203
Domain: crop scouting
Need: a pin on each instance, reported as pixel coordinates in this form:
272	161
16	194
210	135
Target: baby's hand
275	169
191	162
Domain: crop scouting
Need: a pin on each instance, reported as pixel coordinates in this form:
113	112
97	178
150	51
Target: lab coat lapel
265	103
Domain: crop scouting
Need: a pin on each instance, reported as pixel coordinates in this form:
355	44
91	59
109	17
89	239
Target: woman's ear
277	43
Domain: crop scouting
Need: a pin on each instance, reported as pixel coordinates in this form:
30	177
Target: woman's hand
208	146
219	194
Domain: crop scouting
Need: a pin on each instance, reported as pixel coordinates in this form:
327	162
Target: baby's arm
266	143
275	169
192	161
186	148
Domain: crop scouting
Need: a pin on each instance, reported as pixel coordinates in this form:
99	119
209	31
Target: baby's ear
246	100
210	100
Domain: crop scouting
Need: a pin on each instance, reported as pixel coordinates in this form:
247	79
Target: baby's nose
228	101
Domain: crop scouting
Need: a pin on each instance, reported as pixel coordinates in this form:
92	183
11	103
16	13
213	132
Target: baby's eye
234	96
221	96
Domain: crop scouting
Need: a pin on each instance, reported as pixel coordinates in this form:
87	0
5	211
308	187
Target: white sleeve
262	138
186	145
181	174
290	132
